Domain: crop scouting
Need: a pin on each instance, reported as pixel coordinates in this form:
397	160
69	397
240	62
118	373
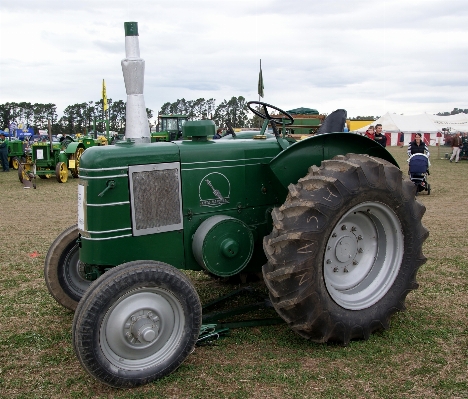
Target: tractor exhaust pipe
133	68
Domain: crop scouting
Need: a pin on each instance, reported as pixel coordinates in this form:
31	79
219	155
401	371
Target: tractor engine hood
127	153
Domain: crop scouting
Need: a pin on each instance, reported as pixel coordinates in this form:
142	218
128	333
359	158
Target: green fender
63	157
72	147
293	163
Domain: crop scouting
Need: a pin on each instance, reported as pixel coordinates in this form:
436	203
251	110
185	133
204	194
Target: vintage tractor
329	222
49	158
169	128
15	152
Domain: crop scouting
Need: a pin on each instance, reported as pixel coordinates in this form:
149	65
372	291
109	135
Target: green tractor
16	153
49	158
330	223
169	128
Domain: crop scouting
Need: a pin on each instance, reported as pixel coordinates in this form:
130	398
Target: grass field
424	354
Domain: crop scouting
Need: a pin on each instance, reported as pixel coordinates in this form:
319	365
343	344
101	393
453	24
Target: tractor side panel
232	179
293	163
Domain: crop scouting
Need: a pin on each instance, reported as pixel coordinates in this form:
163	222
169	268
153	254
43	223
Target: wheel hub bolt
355	262
345	270
328	261
353	228
343	227
360	250
334	235
359	238
335	269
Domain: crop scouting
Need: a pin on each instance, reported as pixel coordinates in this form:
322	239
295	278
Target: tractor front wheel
136	323
63	272
15	163
345	249
21	173
61	172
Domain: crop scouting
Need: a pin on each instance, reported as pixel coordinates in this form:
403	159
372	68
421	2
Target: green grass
424	354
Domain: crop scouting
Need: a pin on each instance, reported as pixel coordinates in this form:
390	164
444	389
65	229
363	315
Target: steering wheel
266	115
230	129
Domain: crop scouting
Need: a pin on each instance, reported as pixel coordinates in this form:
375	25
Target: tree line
82	117
76	118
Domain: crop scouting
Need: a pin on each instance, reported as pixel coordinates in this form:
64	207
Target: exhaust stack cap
131	28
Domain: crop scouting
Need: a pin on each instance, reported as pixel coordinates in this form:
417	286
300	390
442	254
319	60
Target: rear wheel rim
363	255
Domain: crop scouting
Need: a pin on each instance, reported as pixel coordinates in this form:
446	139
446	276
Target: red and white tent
430	126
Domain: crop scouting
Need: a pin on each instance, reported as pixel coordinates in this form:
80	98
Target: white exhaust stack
133	68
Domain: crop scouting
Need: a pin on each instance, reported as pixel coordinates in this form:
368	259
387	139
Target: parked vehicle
329	222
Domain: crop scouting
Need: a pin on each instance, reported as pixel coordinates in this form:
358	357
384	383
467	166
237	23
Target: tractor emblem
214	190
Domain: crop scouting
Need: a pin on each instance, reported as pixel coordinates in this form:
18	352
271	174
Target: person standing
4	153
456	144
417	146
379	137
370	132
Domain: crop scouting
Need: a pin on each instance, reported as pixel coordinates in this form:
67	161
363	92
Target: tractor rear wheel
137	323
63	272
345	249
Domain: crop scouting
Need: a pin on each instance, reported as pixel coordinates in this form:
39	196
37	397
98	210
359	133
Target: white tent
429	125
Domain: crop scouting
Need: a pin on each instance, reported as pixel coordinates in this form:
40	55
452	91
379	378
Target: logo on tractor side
214	190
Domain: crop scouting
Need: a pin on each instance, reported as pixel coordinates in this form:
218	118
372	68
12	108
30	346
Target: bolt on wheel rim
363	255
142	329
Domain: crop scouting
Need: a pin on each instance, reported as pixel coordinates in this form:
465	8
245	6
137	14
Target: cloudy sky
367	56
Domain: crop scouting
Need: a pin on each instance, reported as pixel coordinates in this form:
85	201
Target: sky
366	56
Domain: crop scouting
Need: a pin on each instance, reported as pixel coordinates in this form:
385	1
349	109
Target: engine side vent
155	198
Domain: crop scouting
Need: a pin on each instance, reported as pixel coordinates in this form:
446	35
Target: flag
104	96
260	81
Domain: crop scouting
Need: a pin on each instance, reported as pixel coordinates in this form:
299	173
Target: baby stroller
418	166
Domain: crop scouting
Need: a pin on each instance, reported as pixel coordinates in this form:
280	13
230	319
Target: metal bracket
212	328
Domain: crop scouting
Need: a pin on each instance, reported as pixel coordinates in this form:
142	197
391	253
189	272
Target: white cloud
365	56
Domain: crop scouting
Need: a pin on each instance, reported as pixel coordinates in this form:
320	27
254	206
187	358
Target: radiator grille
156	202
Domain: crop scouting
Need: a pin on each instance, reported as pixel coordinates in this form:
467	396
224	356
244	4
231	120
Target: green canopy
303	111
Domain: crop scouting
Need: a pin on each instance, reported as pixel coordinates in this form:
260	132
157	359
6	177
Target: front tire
15	163
63	272
345	249
137	323
61	172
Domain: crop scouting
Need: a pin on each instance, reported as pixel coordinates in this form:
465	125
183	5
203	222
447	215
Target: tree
235	111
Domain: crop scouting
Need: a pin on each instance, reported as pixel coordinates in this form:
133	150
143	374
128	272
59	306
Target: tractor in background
55	157
330	222
169	128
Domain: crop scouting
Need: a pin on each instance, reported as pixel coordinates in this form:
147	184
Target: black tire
345	249
63	273
146	299
428	189
21	173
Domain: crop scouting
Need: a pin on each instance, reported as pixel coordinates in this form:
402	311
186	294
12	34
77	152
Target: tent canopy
426	123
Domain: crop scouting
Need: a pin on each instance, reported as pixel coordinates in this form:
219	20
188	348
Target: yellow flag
104	96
